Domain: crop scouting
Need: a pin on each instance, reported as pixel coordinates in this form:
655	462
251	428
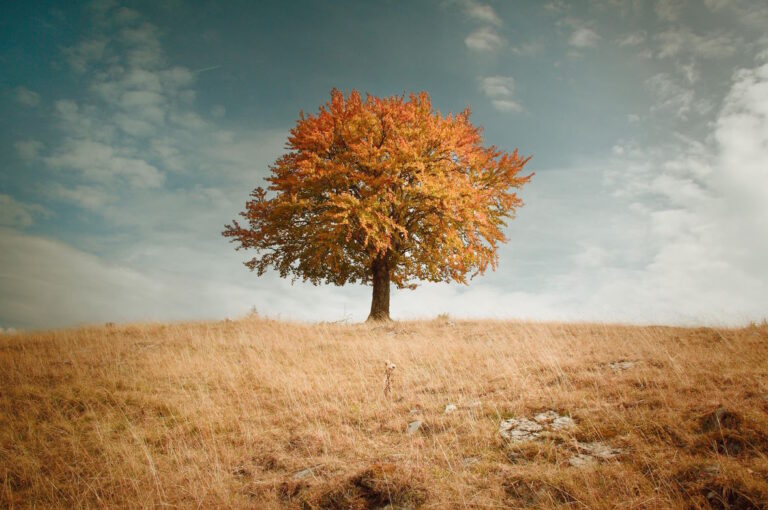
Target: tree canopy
382	190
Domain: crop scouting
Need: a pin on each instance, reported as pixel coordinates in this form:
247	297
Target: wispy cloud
669	10
670	95
26	97
484	39
500	90
682	41
17	214
584	37
481	12
634	38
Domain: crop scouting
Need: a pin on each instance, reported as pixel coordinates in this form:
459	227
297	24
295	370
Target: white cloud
481	12
705	206
690	71
497	86
86	52
125	16
670	95
26	97
89	197
742	135
584	37
484	39
527	49
48	283
500	89
17	214
669	10
634	39
682	41
101	163
507	105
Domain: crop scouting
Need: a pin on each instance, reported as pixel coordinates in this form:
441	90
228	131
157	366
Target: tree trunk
380	301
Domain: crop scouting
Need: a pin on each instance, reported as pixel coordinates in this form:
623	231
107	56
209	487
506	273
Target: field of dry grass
265	414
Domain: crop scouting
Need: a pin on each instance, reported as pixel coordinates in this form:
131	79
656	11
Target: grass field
265	414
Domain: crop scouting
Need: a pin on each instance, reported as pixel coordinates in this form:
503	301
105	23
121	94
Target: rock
600	450
580	460
546	417
414	411
520	429
468	461
563	422
592	453
618	366
450	408
413	427
523	429
474	404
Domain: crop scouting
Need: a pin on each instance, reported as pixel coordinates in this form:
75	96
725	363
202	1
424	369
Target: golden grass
224	415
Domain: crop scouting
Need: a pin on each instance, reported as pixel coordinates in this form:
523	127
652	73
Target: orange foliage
386	181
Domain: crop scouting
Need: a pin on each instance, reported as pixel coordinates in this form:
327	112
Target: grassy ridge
265	414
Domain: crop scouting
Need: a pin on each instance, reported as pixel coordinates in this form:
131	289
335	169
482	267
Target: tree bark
380	300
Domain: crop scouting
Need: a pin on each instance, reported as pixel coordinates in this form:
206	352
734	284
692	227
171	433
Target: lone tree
381	190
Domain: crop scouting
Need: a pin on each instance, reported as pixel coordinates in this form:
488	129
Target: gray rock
546	417
523	429
599	450
520	429
563	422
450	408
413	427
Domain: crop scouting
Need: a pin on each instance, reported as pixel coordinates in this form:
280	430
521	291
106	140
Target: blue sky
132	132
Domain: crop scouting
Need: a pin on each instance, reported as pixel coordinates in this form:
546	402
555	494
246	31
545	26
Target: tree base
380	317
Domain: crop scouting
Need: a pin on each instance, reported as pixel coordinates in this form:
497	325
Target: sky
131	133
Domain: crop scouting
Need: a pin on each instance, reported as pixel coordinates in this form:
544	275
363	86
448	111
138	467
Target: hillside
265	414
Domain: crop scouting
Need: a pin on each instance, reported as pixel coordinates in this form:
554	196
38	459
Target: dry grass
226	414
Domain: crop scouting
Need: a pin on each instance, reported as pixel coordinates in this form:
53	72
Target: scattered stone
468	461
450	408
523	429
520	429
599	450
618	366
581	460
413	427
563	422
546	417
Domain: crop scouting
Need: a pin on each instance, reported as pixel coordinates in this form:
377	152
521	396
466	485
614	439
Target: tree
381	190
